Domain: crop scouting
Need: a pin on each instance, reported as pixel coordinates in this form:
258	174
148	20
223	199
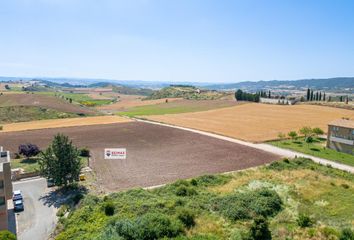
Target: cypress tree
269	94
320	97
308	94
324	96
311	95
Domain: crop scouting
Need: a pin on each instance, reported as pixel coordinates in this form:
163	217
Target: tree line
315	96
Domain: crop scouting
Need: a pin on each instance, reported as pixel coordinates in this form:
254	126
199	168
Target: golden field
256	122
67	122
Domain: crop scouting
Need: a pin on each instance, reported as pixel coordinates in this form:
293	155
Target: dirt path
262	146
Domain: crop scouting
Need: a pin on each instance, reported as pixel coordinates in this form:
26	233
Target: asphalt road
38	219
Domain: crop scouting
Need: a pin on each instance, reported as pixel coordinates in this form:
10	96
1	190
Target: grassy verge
223	206
26	113
317	149
31	164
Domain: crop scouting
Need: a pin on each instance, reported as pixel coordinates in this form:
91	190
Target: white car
17	195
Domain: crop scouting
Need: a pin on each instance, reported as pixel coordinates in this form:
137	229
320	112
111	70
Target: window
2	201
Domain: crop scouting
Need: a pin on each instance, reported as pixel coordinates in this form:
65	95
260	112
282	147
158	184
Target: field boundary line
260	146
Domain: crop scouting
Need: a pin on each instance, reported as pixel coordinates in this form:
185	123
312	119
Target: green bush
147	227
77	198
260	230
109	208
246	205
84	152
7	235
183	191
62	210
212	180
347	234
187	217
304	220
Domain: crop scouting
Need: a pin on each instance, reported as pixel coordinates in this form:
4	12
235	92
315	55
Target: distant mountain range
318	84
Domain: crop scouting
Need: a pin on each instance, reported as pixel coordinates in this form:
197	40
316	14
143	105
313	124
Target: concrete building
5	187
341	136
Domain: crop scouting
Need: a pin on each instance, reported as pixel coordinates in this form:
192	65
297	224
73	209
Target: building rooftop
342	123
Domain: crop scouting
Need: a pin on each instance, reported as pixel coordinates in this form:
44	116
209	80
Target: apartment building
5	187
341	135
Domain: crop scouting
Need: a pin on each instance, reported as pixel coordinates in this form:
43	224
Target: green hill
186	92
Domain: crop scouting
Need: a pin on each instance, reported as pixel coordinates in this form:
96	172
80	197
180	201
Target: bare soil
155	154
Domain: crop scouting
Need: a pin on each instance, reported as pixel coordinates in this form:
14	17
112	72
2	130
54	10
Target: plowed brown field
256	122
155	154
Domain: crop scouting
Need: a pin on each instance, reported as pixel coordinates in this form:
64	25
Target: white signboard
115	153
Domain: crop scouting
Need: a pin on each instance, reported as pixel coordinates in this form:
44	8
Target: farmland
57	123
224	206
155	154
181	106
44	101
256	122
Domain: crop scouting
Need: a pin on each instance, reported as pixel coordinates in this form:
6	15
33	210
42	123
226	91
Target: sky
177	40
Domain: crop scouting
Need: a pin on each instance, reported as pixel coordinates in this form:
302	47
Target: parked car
17	199
18	205
17	194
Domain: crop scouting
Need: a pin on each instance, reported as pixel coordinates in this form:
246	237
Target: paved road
38	219
261	146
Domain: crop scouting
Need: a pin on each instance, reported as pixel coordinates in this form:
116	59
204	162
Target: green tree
306	132
7	235
260	230
60	161
317	131
308	94
292	135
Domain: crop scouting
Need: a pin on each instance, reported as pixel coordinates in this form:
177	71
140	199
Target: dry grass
57	123
256	122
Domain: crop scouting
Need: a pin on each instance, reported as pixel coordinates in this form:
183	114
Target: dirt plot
256	122
57	123
42	101
155	154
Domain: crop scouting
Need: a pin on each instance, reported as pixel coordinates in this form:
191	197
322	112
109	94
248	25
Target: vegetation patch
277	201
316	147
11	114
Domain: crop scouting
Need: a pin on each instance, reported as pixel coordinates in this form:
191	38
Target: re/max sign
115	153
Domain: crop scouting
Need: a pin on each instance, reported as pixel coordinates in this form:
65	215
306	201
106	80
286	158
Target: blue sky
177	40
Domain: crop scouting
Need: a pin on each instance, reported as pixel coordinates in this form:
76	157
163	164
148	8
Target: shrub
109	208
213	180
304	220
7	235
62	210
184	191
84	152
28	150
345	186
194	182
77	198
246	205
186	216
260	230
149	226
347	234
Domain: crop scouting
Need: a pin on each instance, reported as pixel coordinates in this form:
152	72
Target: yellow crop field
256	122
67	122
